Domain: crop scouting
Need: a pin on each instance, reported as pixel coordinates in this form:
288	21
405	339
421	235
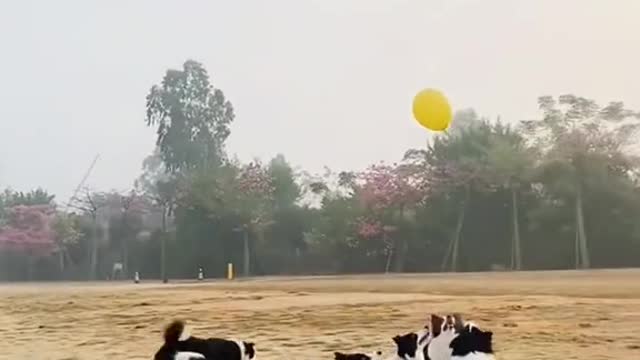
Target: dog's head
406	345
357	356
472	339
249	350
412	345
449	324
444	329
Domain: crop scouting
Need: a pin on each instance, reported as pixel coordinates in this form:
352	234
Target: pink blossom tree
390	194
28	229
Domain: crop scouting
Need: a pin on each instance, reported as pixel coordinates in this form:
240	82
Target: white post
136	278
200	274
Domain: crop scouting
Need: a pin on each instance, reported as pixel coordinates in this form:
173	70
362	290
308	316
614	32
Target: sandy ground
536	315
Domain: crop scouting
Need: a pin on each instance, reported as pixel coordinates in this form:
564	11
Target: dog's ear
396	339
338	355
436	324
458	323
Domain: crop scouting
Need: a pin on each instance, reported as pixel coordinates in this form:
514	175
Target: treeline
558	192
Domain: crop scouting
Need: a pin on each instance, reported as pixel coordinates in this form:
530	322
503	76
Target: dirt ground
534	315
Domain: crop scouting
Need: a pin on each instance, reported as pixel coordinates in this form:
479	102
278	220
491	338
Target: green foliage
38	196
286	190
482	194
66	229
192	118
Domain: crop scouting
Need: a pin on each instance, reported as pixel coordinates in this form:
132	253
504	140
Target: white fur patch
439	347
185	334
243	355
187	355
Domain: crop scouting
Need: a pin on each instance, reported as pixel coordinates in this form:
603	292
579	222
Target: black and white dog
412	346
193	348
472	343
455	339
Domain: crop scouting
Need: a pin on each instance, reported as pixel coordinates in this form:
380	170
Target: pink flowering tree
389	193
28	229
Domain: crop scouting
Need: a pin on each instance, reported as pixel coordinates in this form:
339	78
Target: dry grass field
534	315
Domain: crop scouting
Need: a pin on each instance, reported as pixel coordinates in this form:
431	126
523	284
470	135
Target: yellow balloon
432	110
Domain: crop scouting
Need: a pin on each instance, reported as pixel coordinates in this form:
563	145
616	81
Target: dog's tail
173	332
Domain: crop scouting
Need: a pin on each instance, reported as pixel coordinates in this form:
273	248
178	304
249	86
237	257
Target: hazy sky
326	82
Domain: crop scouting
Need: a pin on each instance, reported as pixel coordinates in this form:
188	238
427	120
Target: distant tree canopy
191	117
553	193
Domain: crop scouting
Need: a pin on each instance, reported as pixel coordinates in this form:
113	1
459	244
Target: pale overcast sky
326	82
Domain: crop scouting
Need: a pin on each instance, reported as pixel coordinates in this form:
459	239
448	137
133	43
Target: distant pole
247	255
163	249
230	271
136	278
200	274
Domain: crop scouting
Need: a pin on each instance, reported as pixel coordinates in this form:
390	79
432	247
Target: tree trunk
401	255
452	251
125	248
93	260
403	247
67	258
246	261
163	248
30	267
576	248
125	256
516	263
389	257
584	250
61	262
5	261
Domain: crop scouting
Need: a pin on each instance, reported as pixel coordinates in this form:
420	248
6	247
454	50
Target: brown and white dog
455	339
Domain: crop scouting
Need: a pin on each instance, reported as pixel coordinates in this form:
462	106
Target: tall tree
93	205
67	234
391	193
584	145
126	212
192	118
244	192
510	162
254	204
161	188
454	165
285	189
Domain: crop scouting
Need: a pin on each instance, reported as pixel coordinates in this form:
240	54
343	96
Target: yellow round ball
432	110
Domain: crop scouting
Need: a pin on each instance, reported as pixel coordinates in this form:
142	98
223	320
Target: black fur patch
471	339
356	356
406	344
